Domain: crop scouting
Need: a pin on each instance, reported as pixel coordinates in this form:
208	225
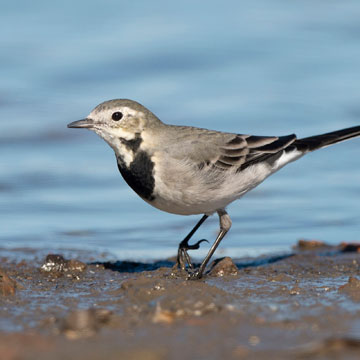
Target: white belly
188	191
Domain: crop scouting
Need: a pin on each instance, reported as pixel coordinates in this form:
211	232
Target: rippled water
264	67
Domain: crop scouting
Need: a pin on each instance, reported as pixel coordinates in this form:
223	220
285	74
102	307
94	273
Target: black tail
318	141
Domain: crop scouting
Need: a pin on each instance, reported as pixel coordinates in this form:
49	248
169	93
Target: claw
194	275
183	256
194	246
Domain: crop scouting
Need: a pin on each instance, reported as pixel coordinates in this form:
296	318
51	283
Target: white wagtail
187	170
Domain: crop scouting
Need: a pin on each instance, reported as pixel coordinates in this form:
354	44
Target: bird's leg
225	225
183	257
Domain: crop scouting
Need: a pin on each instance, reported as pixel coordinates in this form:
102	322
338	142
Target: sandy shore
295	306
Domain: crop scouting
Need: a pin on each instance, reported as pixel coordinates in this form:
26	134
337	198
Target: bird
188	170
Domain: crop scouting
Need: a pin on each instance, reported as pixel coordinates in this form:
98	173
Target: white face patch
112	131
121	133
112	137
131	112
105	116
126	156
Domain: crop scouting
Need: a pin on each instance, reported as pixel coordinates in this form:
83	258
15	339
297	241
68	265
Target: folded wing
245	150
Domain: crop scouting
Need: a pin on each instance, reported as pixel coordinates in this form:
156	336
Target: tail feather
319	141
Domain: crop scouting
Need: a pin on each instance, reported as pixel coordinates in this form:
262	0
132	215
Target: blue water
262	67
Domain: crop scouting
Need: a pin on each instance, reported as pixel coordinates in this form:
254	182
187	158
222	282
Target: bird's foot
194	275
183	258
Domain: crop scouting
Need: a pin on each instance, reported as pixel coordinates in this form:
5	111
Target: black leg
183	257
225	224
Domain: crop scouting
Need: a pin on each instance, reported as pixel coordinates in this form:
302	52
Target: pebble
223	267
57	263
84	323
7	285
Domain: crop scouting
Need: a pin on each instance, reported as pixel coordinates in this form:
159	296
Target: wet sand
295	306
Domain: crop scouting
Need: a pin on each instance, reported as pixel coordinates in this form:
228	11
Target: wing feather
214	150
245	150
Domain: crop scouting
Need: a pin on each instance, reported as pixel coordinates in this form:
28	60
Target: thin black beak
84	123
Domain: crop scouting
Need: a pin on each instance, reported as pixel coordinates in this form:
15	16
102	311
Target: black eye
116	116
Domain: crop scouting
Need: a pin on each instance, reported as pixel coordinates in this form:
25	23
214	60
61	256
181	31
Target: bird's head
118	119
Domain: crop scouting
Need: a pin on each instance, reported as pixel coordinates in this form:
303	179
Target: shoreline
289	306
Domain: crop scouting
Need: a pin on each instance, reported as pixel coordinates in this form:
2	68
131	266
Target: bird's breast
139	174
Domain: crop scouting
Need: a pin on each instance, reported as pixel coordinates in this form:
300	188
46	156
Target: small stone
74	265
57	263
350	247
54	262
310	244
294	291
254	340
163	316
352	283
223	267
84	323
351	288
7	285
